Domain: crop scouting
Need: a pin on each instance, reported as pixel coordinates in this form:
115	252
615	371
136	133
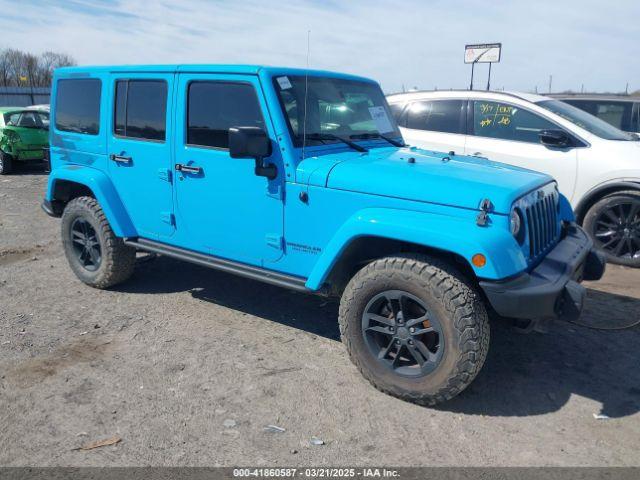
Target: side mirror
248	142
252	142
555	138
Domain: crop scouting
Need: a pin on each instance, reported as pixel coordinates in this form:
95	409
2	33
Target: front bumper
552	289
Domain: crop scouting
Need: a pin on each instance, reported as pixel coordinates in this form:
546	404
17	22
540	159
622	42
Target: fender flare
103	190
603	189
447	233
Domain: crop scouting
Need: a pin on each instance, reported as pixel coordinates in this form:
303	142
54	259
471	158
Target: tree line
24	69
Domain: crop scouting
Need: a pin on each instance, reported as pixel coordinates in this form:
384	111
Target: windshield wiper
364	136
331	136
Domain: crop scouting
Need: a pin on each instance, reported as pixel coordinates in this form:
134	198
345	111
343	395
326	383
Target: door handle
478	154
120	158
180	167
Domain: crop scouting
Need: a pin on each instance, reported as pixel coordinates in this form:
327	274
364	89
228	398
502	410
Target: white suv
596	165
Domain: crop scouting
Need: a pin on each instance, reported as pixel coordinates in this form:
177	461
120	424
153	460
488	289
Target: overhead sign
483	53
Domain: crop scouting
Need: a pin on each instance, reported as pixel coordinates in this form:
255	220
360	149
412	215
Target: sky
402	44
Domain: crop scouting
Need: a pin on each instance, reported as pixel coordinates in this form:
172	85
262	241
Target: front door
222	207
140	150
509	134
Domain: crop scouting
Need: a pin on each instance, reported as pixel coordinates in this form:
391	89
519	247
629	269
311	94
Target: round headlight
515	223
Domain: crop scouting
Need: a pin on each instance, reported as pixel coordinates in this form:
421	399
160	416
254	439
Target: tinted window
436	116
396	111
141	109
590	123
78	105
214	107
617	114
508	122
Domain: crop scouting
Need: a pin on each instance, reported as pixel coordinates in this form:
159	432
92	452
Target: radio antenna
306	90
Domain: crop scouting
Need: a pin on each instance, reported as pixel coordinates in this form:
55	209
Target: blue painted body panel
102	187
229	212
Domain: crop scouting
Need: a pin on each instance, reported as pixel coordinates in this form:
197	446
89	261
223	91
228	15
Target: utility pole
550	82
626	89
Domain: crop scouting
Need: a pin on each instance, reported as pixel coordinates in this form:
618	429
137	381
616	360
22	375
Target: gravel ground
188	366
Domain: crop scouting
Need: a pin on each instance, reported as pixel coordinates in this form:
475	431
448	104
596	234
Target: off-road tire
6	163
460	309
118	259
589	223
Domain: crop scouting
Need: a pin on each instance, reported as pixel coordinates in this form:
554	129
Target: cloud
411	43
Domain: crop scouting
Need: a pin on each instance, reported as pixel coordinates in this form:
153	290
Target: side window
617	114
508	122
436	116
214	107
396	111
141	109
78	105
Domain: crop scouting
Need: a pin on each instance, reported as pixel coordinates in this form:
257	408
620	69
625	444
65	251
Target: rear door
140	150
435	124
508	133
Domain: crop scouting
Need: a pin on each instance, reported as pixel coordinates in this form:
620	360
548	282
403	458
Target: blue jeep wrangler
301	179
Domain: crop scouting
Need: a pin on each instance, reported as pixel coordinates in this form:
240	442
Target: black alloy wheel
86	245
617	229
402	334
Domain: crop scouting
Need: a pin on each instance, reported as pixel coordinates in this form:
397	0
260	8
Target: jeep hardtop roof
203	68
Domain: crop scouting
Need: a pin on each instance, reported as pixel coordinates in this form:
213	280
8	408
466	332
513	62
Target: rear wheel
95	254
614	225
414	327
6	163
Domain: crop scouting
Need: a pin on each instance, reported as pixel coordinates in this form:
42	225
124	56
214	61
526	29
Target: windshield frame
297	140
597	127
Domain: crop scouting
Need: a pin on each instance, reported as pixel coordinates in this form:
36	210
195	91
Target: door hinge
164	174
167	217
274	191
274	241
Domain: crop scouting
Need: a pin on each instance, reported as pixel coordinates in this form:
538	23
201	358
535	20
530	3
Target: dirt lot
188	366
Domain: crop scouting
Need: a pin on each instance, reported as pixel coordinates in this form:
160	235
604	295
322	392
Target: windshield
585	120
336	107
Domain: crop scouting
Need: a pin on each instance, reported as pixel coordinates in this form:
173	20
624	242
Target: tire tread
457	297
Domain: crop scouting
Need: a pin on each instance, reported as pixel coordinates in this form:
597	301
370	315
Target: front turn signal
479	260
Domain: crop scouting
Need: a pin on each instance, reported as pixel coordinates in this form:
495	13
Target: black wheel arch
366	249
64	191
598	193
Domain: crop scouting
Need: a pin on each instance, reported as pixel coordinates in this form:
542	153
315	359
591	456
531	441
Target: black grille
542	223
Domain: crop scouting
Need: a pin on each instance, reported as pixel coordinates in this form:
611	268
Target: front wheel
414	327
614	225
95	254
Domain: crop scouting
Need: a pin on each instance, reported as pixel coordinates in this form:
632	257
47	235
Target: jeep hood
422	175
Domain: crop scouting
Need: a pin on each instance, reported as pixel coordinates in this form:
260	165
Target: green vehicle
24	135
